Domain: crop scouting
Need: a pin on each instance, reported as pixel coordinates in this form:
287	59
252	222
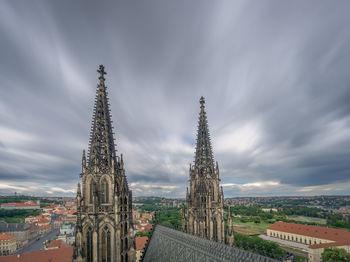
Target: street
286	242
36	245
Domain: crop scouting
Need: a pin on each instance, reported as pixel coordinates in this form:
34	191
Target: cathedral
204	216
104	228
104	231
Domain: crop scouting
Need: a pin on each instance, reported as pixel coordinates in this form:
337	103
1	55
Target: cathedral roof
204	153
101	146
166	244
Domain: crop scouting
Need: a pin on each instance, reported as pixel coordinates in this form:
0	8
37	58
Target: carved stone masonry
205	199
104	231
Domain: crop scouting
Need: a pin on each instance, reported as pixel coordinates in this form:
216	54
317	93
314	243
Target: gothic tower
205	200
104	231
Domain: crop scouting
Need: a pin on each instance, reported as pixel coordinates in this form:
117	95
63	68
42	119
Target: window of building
105	191
91	191
89	246
106	245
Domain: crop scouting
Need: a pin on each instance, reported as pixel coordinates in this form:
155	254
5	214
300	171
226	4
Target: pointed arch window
105	191
91	192
215	229
89	246
106	245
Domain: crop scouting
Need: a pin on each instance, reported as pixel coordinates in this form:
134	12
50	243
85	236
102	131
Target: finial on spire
202	101
102	72
78	189
83	162
121	161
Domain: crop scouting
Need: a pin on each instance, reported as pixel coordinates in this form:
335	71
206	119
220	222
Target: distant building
135	214
316	237
67	234
21	231
147	216
67	230
140	243
58	222
44	229
52	255
22	205
269	209
7	244
56	244
69	219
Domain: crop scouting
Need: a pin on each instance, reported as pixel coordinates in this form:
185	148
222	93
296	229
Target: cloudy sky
275	75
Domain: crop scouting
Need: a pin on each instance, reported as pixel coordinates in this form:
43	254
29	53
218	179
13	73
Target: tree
333	254
257	220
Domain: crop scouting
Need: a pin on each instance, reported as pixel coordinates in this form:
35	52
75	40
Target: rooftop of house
53	255
25	204
5	227
140	242
57	244
45	226
6	237
339	236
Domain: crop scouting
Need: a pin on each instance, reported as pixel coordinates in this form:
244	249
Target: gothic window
91	191
215	229
126	244
89	246
105	191
106	245
126	228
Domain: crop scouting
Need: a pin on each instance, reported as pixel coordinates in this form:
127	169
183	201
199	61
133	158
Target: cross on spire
102	72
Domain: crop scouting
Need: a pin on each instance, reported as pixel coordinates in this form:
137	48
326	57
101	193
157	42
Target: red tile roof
6	237
140	242
21	204
53	255
148	226
45	226
332	244
57	244
43	221
339	236
312	231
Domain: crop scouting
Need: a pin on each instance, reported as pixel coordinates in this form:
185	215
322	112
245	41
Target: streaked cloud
274	74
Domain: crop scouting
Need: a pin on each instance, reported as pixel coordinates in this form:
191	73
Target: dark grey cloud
275	76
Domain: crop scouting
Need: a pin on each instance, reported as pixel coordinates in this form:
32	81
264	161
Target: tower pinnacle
204	199
101	148
103	193
204	155
102	72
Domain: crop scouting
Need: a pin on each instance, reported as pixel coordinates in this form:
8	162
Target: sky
275	76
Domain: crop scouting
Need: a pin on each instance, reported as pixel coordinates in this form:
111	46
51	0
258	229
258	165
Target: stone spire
204	215
229	236
104	231
204	154
101	146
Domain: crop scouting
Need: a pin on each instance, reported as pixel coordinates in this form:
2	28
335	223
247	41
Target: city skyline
274	77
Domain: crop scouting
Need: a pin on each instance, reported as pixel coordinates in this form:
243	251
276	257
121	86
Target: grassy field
317	220
251	226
